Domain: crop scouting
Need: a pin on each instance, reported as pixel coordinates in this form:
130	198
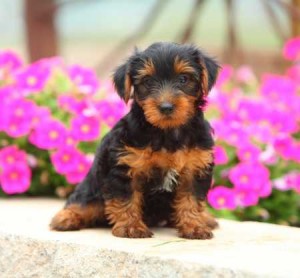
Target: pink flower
288	181
84	78
222	197
41	115
225	75
291	49
111	111
248	152
251	176
11	155
244	74
9	60
268	156
72	104
15	178
80	171
18	117
232	133
220	155
246	198
287	147
49	135
70	141
32	79
85	128
66	159
277	87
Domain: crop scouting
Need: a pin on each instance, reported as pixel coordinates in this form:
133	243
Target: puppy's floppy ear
210	73
122	82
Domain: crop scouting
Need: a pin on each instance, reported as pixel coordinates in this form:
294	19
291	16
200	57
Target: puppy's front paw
66	220
135	230
197	232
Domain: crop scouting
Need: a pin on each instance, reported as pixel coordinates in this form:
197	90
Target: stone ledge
248	249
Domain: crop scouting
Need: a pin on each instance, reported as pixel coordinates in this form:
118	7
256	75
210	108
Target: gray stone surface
29	249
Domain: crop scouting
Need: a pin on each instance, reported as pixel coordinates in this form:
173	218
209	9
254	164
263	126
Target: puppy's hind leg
84	208
77	216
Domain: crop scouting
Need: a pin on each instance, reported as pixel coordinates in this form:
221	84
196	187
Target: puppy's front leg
126	216
189	212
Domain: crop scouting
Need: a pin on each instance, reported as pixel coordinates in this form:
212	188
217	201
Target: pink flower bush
85	128
50	135
222	197
51	110
15	174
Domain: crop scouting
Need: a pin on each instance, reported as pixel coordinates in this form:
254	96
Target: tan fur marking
188	161
127	217
75	217
127	88
189	217
181	66
147	70
204	80
184	110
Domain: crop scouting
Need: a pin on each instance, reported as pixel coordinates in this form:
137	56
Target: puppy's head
169	81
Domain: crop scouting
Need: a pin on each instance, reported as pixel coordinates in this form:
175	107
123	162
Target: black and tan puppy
156	164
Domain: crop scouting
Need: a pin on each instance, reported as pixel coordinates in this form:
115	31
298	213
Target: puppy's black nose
166	108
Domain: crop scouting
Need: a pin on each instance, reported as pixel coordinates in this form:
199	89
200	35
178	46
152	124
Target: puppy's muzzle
166	108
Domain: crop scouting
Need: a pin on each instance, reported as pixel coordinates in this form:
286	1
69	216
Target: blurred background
96	33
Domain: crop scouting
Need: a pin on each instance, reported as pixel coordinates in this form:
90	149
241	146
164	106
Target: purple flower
85	79
85	128
15	178
49	135
222	197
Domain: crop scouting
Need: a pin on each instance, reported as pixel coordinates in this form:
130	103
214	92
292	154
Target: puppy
155	166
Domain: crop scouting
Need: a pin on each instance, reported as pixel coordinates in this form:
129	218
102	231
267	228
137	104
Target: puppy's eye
183	78
147	82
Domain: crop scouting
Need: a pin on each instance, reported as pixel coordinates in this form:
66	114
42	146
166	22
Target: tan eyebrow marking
147	70
181	66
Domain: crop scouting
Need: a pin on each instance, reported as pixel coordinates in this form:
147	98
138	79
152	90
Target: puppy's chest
171	165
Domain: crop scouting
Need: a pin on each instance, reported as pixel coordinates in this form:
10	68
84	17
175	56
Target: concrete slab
29	249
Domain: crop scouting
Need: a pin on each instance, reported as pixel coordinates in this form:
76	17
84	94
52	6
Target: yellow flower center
19	112
13	127
31	80
53	134
66	158
244	179
247	155
85	128
221	201
81	167
13	175
10	159
70	141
